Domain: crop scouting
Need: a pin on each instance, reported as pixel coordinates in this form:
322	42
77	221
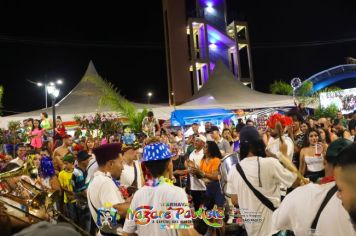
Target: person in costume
104	197
279	141
131	176
156	193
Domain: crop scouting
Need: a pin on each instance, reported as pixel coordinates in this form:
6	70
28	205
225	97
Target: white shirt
18	161
195	183
274	144
299	208
272	175
92	168
155	197
314	164
128	175
102	190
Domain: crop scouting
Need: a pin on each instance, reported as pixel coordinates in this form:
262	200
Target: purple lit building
197	35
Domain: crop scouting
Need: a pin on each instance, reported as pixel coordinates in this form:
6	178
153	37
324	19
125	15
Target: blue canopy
188	117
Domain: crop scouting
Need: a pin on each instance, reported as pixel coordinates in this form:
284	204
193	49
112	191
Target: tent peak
91	70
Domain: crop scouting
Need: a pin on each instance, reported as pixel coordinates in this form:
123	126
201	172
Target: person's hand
129	199
190	164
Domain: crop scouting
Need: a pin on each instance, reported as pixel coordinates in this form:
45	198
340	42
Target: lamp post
54	92
149	95
46	85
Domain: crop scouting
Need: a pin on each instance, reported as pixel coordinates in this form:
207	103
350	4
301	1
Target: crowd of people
283	184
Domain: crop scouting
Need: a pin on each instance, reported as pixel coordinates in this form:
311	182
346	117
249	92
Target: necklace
158	181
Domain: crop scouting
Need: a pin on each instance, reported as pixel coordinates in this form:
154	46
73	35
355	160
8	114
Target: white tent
82	100
223	91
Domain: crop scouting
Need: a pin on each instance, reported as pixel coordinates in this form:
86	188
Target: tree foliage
111	97
1	94
327	112
281	88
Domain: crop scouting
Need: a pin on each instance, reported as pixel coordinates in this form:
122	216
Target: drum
225	166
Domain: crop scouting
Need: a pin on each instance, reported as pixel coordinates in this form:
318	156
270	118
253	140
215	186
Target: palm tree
111	97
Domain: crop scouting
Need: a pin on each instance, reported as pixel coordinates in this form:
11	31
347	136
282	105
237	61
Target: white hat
201	137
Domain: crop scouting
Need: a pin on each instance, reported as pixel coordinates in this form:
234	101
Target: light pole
46	85
149	95
54	92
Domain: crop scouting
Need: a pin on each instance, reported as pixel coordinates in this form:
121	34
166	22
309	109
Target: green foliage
305	89
1	94
116	102
108	124
281	88
305	94
327	112
13	126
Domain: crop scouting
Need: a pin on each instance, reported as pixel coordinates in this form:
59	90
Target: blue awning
188	117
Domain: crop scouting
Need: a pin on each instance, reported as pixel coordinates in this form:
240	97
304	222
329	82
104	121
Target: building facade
207	38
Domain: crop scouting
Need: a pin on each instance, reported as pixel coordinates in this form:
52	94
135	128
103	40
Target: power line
302	44
79	43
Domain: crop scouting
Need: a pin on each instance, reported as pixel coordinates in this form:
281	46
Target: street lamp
46	85
54	92
149	95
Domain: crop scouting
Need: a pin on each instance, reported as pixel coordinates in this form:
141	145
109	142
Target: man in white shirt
156	194
131	176
197	186
265	175
103	192
21	156
299	208
223	145
150	125
345	174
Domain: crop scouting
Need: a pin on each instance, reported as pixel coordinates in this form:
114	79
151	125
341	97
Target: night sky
55	39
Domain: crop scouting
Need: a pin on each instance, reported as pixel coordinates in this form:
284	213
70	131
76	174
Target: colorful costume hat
284	120
156	152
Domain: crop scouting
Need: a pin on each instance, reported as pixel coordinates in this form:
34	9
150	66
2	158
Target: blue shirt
78	180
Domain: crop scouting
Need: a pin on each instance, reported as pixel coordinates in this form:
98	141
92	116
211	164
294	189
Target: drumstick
290	166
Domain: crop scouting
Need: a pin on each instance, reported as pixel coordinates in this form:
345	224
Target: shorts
213	195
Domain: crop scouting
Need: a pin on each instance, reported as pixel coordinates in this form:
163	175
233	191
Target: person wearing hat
65	180
222	143
103	193
157	193
80	190
276	124
265	175
300	207
131	176
197	186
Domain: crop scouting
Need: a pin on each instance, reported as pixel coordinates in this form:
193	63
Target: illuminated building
197	36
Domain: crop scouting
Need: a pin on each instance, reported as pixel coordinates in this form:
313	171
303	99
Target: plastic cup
318	149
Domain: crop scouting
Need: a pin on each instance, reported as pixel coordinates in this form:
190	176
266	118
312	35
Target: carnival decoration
129	139
295	83
103	125
284	120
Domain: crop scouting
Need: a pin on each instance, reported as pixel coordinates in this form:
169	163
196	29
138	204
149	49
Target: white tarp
82	100
223	90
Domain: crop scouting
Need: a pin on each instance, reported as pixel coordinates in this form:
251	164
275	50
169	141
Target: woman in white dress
311	156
